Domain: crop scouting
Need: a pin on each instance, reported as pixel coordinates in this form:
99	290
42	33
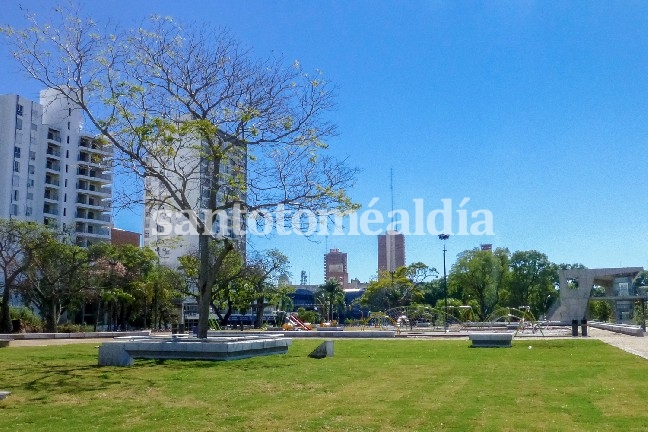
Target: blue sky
535	111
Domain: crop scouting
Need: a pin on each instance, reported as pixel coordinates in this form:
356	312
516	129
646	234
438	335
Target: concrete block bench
123	352
4	343
491	340
630	330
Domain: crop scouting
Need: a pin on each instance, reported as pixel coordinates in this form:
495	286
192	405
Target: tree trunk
204	287
51	318
259	312
5	316
206	280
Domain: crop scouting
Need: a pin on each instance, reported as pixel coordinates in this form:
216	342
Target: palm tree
333	294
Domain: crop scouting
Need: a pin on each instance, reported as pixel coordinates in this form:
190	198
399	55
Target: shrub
29	321
74	328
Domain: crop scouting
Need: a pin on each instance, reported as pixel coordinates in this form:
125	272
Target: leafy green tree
640	282
18	241
283	301
532	280
400	288
262	275
600	310
474	277
54	279
308	316
156	91
331	294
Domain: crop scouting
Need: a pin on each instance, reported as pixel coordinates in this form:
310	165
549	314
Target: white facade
169	233
50	171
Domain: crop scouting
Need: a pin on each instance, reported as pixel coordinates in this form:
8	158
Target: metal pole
445	237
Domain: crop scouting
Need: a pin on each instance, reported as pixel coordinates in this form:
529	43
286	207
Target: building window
32	155
19	109
67	154
54	135
30	183
16	195
69	111
28	211
67	139
17	152
19	124
16	166
68	129
32	169
30	195
64	211
14	209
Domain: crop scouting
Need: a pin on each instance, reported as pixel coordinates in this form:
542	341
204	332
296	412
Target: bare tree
161	92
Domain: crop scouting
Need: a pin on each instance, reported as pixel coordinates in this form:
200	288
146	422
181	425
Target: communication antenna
391	188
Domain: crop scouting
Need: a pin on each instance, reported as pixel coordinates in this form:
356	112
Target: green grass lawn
370	385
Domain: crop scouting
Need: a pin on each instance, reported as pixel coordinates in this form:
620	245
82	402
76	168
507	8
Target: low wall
316	334
86	335
618	328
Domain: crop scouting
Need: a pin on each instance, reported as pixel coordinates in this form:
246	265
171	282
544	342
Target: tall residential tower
50	171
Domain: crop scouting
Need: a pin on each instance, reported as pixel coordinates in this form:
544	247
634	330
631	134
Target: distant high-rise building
486	247
166	230
391	251
335	267
51	172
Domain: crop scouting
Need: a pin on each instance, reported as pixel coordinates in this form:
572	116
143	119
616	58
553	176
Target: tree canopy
163	91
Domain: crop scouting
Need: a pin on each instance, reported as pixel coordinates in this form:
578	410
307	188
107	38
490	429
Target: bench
4	343
491	340
123	352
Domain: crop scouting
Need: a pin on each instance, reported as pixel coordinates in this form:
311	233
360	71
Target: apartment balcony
51	195
54	135
93	231
49	210
53	152
52	182
93	174
51	166
93	160
93	189
92	147
92	203
93	217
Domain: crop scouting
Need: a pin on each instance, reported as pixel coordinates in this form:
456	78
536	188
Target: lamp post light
445	237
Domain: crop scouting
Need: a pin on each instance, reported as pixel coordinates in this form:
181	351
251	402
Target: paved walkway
632	344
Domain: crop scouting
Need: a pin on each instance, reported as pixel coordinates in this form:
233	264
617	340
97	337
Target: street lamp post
445	237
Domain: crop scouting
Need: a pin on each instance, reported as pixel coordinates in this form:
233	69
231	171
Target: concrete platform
355	334
491	340
626	329
123	351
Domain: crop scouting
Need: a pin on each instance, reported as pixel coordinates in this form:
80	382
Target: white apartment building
50	171
169	233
